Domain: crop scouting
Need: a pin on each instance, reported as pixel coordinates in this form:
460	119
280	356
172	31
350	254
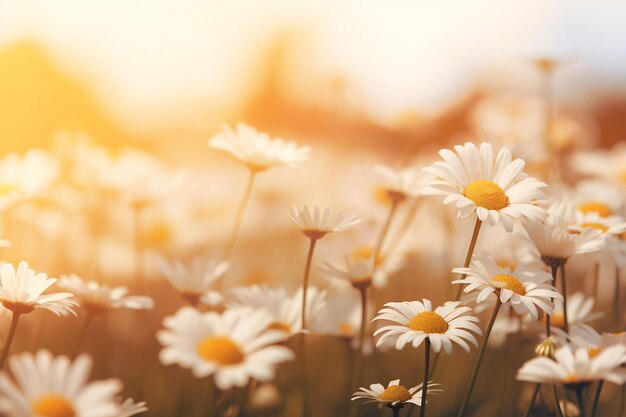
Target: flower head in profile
44	385
493	186
233	347
398	185
98	297
22	291
395	395
416	321
193	280
256	150
523	288
359	273
594	196
26	175
580	314
316	224
572	367
284	308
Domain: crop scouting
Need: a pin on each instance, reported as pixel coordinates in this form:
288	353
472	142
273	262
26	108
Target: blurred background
147	82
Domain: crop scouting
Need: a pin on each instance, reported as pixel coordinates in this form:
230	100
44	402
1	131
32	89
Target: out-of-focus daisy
22	291
579	315
417	321
257	150
283	307
341	315
398	185
233	347
128	408
193	280
608	164
384	266
524	289
96	297
576	367
593	196
26	175
611	229
316	224
494	187
394	395
47	386
359	272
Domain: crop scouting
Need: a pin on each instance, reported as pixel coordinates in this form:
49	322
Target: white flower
399	184
572	367
341	315
417	321
315	224
233	347
22	291
94	296
495	188
394	395
579	315
257	150
599	197
26	175
285	309
55	386
359	272
607	164
525	289
129	408
611	230
194	280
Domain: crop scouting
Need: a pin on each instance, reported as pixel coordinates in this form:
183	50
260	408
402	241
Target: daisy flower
611	228
607	164
44	385
576	367
593	196
257	150
98	298
416	321
359	273
26	175
524	289
315	224
194	280
283	307
494	187
394	395
22	291
233	347
398	185
579	315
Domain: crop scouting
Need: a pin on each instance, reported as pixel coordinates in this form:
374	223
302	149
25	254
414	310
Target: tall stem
616	298
532	400
596	399
468	256
564	288
581	403
385	230
559	413
425	384
363	291
481	353
305	284
137	212
83	331
396	411
239	217
7	345
596	280
622	402
555	271
305	378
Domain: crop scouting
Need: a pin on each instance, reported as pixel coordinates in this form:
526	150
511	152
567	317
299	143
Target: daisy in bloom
26	175
593	196
493	186
579	315
48	386
283	307
576	367
233	347
611	229
316	224
257	150
417	321
398	185
607	164
194	280
524	289
358	272
95	297
22	291
394	395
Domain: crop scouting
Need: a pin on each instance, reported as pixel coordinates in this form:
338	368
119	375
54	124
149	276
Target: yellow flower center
221	350
506	263
395	393
280	326
597	226
428	322
486	194
510	283
595	207
380	196
53	405
366	252
345	329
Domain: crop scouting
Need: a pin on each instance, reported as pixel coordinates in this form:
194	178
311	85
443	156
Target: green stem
559	413
622	402
581	403
363	291
555	272
481	353
616	298
468	256
239	217
532	400
425	384
564	287
396	411
385	230
7	345
305	285
596	399
83	332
